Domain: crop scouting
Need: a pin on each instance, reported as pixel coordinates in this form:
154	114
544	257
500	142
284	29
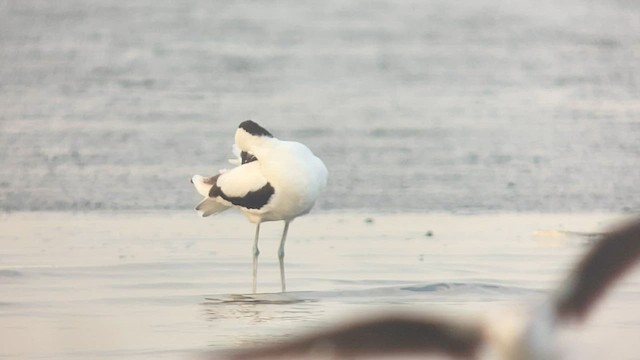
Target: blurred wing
609	259
392	335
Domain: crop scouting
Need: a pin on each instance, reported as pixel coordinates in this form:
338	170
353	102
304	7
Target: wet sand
171	285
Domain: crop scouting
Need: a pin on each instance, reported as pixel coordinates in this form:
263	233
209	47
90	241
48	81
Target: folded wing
243	186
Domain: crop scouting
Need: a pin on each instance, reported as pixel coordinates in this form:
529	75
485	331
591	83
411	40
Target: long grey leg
256	252
281	254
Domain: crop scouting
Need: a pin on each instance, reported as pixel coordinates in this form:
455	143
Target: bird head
249	134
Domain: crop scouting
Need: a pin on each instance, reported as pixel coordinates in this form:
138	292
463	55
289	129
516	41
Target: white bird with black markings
274	180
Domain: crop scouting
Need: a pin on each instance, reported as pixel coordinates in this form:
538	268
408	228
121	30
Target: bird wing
241	180
244	186
609	259
390	335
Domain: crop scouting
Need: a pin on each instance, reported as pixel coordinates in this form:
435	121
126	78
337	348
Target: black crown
254	129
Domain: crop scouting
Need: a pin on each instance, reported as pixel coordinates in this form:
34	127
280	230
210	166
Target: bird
274	180
523	334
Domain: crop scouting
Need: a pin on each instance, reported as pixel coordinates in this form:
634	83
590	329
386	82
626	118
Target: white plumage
274	180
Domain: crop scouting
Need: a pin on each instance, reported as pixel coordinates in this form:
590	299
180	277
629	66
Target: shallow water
171	285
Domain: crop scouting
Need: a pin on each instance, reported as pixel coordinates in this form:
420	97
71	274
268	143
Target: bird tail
204	184
209	206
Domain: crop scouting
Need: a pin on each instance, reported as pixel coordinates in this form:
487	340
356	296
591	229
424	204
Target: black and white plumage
508	335
274	180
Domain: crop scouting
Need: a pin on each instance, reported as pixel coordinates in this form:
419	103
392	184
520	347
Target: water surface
171	285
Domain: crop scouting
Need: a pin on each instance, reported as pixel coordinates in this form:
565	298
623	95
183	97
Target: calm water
171	285
422	108
432	106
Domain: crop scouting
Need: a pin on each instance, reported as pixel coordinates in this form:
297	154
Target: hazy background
425	105
455	114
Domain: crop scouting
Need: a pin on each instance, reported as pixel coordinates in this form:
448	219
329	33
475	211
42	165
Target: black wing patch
251	200
247	157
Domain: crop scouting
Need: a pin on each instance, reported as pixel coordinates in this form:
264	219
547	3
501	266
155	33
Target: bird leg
256	252
281	254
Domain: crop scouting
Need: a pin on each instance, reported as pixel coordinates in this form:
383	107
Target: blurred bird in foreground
508	335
